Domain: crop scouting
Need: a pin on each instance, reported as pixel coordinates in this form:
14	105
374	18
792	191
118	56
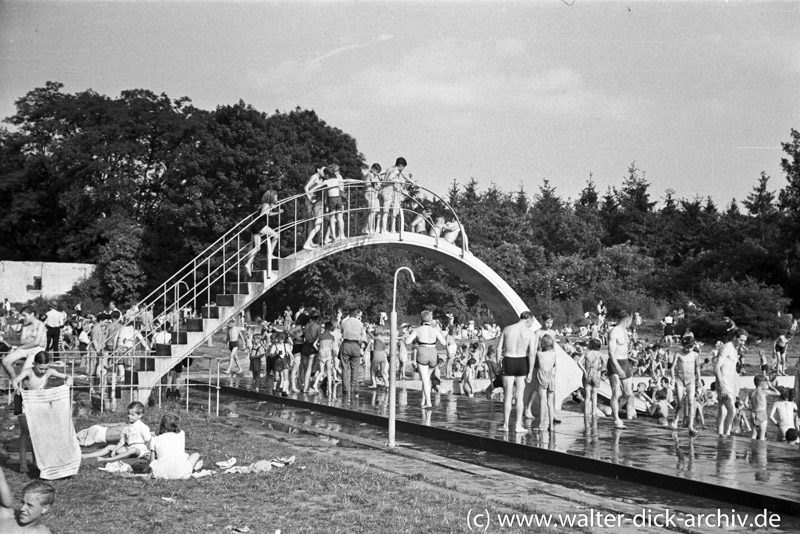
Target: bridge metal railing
221	265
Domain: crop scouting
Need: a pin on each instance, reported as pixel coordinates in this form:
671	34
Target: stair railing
220	264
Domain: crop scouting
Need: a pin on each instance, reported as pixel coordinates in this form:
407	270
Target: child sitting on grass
32	379
170	460
135	439
37	497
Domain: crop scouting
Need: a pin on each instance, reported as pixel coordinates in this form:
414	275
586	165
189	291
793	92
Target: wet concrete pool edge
702	488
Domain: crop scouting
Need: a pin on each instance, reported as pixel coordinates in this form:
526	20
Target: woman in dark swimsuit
426	337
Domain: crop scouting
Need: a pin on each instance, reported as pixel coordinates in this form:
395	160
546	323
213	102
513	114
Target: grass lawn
329	495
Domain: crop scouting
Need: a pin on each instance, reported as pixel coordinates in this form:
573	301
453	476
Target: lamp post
393	357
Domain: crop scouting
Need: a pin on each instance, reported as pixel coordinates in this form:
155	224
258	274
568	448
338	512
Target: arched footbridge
218	283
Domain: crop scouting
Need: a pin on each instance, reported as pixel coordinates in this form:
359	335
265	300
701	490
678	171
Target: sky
699	95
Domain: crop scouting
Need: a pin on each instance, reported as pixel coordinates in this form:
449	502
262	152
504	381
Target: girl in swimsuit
379	362
372	179
545	365
426	337
592	365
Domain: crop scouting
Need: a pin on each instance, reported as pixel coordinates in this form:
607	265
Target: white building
21	281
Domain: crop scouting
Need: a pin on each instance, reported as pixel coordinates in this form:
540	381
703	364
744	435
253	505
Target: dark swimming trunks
515	366
624	364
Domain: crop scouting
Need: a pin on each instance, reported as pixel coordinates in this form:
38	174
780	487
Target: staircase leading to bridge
216	283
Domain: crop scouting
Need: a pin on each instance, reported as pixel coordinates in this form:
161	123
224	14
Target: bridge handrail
226	261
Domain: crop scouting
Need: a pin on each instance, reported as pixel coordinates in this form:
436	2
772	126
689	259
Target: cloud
456	75
467	76
380	39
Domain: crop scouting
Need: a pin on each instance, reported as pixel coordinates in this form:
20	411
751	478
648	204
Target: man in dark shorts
619	369
516	348
350	351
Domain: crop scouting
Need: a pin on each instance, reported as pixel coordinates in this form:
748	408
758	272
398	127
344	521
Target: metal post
393	358
218	387
209	388
188	370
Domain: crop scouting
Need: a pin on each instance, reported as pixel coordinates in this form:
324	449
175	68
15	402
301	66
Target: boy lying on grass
36	500
135	440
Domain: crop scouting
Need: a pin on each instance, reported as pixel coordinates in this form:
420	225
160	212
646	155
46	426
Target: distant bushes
752	305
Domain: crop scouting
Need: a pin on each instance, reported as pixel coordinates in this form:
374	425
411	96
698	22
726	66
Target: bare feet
520	429
503	428
619	425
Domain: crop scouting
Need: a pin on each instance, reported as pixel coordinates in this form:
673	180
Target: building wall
18	279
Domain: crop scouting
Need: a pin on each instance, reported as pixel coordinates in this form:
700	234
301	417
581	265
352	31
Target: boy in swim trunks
545	365
234	339
685	372
783	414
758	405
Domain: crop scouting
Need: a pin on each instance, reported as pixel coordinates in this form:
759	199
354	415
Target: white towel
49	416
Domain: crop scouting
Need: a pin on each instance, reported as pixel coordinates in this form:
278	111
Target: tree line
141	183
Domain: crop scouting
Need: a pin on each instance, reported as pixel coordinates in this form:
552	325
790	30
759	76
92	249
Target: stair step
237	289
210	312
261	264
194	325
179	338
225	300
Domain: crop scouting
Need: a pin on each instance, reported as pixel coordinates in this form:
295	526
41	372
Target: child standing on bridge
268	202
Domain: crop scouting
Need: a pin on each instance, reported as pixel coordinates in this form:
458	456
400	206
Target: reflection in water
426	417
402	397
685	460
616	433
451	408
758	456
726	455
